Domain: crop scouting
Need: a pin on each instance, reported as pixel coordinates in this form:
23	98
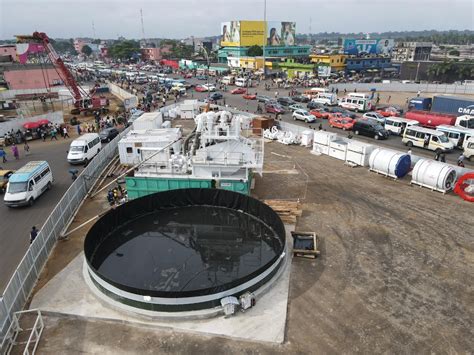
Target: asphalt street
237	101
16	223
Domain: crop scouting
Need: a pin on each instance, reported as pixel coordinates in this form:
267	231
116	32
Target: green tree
96	41
63	47
86	50
454	52
124	49
255	51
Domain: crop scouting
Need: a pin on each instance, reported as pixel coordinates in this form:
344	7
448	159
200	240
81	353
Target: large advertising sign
368	46
252	33
281	33
230	34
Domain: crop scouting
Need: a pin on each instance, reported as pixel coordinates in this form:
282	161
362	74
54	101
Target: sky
184	18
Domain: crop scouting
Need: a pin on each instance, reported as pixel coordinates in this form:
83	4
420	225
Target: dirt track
395	272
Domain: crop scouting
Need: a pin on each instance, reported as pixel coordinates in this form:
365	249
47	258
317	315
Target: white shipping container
359	152
149	120
338	149
323	137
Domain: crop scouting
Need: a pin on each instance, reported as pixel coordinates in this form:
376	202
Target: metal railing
26	274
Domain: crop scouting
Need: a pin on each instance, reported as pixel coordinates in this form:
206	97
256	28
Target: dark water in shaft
185	249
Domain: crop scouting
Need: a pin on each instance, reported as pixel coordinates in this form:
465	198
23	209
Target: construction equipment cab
426	138
28	183
84	148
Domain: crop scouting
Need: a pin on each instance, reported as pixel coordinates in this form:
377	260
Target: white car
209	87
374	116
303	115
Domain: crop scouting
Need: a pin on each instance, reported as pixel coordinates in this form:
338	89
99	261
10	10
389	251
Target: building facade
225	53
370	63
8	53
31	76
337	62
294	69
412	51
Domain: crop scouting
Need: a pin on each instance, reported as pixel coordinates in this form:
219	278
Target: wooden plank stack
286	209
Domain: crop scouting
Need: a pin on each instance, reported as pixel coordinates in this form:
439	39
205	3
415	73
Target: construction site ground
394	274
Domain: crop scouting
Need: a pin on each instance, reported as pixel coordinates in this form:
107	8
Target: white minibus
84	148
397	125
456	134
426	138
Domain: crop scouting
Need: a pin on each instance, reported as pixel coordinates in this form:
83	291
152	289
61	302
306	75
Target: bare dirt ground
394	275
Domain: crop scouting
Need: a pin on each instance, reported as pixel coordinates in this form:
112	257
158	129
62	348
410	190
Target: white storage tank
434	175
390	162
149	120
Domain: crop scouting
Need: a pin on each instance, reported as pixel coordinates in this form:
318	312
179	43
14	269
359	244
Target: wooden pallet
287	210
308	237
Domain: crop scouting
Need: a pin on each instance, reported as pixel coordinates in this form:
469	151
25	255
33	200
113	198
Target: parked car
370	128
300	98
249	96
390	111
345	123
343	111
201	77
285	101
274	108
107	134
263	98
303	115
322	112
374	116
4	176
238	91
314	105
296	107
200	88
216	96
209	87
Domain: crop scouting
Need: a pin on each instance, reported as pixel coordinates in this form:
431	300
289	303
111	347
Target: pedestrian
26	147
33	234
337	91
43	135
388	99
320	127
377	100
345	91
3	155
65	134
276	94
461	160
78	129
442	159
53	134
15	151
437	156
418	93
409	152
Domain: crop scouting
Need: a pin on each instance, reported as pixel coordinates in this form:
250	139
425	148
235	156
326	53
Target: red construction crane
83	101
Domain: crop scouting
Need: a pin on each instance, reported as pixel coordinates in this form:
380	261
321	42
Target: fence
10	94
399	87
129	100
24	278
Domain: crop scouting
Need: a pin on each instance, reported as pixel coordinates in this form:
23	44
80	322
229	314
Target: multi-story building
154	54
412	51
368	63
337	62
8	53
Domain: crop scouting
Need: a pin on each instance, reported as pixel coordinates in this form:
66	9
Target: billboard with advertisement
252	33
281	33
230	34
368	46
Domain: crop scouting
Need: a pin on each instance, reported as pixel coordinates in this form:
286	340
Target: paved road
236	101
16	223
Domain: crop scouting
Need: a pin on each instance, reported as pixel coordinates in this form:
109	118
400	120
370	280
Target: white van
242	82
28	183
84	148
356	104
228	80
469	149
360	95
426	138
325	98
456	134
397	125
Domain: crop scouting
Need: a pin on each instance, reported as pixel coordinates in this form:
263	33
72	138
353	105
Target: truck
454	105
420	103
434	119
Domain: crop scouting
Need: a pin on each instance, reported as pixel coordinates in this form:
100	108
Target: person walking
53	134
3	155
15	151
65	134
33	234
26	148
461	160
442	159
388	99
43	135
78	129
437	156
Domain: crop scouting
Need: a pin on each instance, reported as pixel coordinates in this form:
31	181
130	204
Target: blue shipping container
454	105
420	103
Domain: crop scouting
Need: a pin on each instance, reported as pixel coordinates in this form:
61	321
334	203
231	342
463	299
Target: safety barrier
399	87
26	274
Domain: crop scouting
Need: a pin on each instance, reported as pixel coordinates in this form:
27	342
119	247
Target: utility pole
93	30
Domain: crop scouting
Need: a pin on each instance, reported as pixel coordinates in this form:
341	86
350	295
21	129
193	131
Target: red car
320	113
188	76
345	123
249	96
390	111
200	88
274	108
238	91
